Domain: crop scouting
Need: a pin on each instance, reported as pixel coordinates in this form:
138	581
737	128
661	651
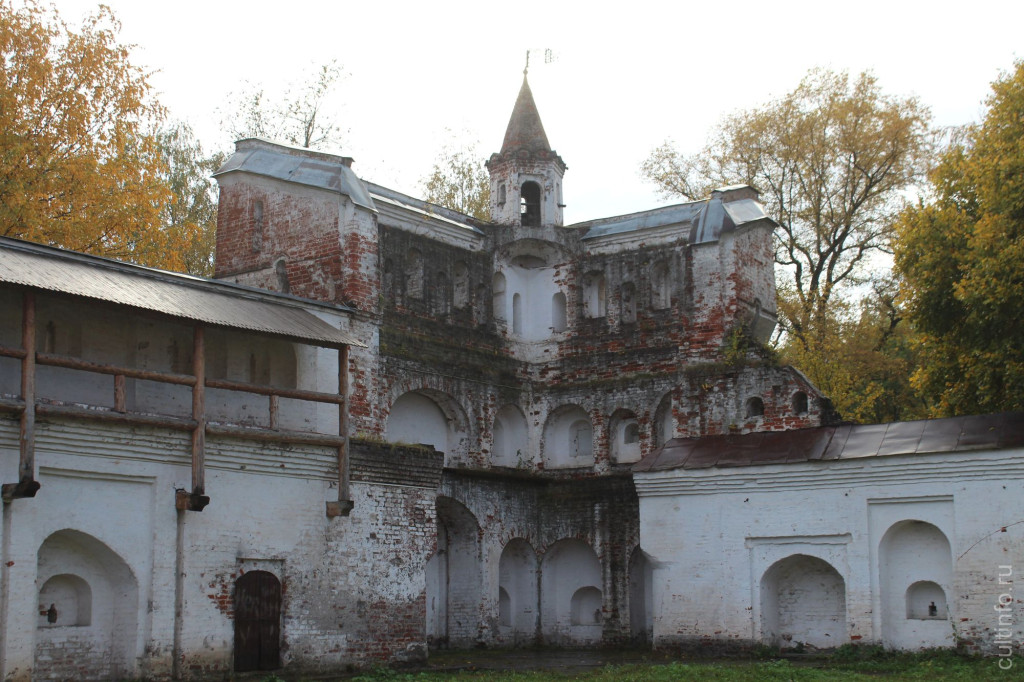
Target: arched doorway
454	578
257	622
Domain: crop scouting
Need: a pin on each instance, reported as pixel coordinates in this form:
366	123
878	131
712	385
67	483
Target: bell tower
526	175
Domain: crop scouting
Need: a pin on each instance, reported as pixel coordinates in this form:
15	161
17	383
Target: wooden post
273	412
26	486
120	387
344	504
197	499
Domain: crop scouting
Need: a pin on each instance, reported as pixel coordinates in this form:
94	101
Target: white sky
627	75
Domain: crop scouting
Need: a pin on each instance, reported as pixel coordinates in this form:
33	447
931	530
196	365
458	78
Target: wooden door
257	622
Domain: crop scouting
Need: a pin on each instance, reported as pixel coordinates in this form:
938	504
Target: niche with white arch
571	597
527	285
915	566
568	438
624	437
664	422
510	446
803	602
65	600
517	592
595	301
92	590
416	419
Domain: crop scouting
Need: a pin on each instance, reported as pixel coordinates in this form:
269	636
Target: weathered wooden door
257	622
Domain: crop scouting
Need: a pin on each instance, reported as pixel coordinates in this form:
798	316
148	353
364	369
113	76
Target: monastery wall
896	551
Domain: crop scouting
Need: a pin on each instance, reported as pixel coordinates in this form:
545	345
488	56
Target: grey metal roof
192	298
681	214
955	434
301	166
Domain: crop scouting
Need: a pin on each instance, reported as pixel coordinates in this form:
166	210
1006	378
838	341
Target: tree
80	165
191	214
831	159
962	258
460	181
298	118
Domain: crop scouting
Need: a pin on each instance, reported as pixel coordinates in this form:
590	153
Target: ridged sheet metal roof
192	298
955	434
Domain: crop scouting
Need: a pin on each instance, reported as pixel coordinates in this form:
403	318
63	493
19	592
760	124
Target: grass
851	664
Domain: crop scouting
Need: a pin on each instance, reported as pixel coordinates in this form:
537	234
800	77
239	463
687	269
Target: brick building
386	426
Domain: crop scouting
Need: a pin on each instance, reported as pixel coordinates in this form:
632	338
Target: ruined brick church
387	427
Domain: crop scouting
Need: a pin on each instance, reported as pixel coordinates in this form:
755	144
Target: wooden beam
344	504
86	366
27	486
197	499
258	389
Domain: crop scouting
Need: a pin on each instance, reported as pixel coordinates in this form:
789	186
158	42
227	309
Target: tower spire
526	175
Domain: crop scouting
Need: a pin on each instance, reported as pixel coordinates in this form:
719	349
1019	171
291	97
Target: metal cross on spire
549	56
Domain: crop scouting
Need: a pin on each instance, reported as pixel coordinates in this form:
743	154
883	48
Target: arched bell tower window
530	204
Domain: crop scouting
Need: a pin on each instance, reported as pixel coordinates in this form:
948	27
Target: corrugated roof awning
192	298
849	441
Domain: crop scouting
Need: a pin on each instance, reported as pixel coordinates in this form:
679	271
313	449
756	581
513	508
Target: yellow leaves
79	163
963	260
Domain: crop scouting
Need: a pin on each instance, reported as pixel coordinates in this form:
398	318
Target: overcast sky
627	75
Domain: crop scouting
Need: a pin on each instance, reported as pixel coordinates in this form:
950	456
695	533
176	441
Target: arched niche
571	595
799	403
926	600
517	581
498	287
65	600
92	589
417	418
595	300
627	302
753	408
510	445
624	437
559	318
460	286
454	578
661	292
529	267
414	274
915	566
568	438
803	603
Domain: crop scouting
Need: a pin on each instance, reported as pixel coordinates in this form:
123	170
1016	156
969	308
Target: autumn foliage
80	160
962	260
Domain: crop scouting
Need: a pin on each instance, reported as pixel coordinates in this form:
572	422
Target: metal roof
679	214
704	221
302	166
192	298
825	443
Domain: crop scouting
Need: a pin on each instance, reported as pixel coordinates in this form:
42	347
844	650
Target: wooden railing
29	407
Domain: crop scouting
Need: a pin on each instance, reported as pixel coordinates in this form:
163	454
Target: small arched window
754	408
414	274
799	403
558	316
460	294
257	225
498	300
594	300
530	204
281	270
660	291
501	194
